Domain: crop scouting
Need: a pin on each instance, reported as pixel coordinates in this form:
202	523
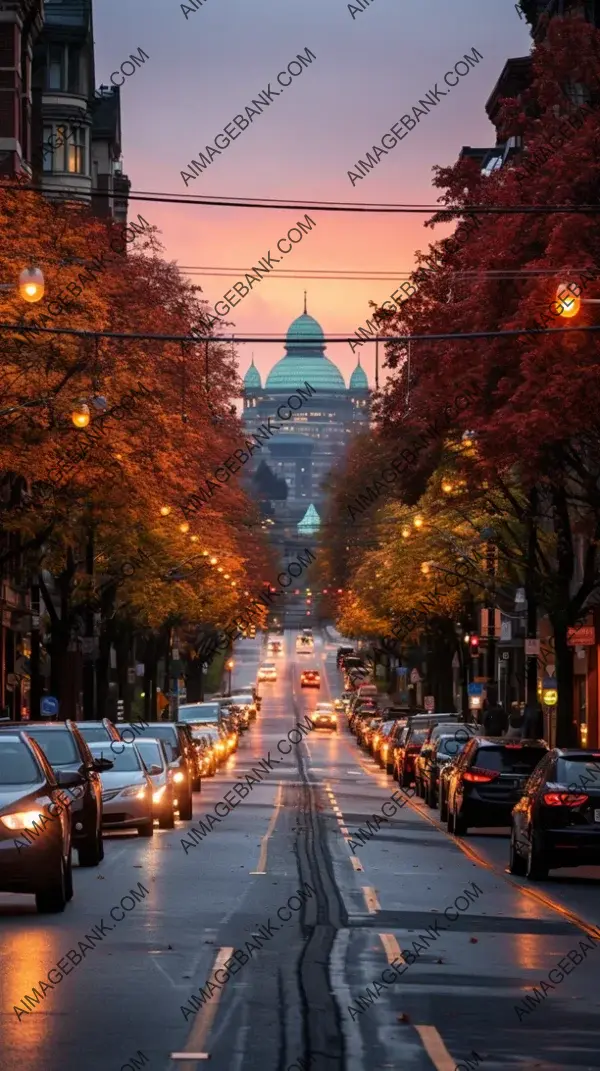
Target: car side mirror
99	765
70	778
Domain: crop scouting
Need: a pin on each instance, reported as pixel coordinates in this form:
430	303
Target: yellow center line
356	863
262	862
371	900
392	948
204	1019
435	1048
344	830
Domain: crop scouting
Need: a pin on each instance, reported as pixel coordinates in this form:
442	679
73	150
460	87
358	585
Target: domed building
307	447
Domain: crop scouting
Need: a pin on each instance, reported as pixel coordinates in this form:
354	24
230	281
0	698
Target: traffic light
474	646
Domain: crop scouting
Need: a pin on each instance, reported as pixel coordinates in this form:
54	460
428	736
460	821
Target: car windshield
151	753
448	746
17	764
418	736
168	734
242	700
58	746
387	727
579	771
92	732
199	712
509	759
268	665
126	762
210	735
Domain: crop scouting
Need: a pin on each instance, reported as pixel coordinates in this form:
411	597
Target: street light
31	285
568	303
230	665
80	414
418	521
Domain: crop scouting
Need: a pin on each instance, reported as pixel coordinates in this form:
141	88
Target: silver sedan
126	789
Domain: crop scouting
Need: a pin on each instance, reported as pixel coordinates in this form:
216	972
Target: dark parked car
182	760
488	780
35	841
441	751
365	731
405	752
98	731
65	749
556	823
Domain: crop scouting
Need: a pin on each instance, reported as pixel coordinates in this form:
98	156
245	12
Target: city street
491	936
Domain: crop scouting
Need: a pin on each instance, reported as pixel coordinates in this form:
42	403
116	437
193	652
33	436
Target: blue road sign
49	705
475	689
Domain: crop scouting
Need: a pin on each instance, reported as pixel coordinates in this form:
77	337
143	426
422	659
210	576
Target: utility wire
316	206
317	341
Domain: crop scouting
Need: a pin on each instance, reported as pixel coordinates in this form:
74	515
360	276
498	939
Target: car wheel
146	829
196	784
167	819
449	819
186	812
432	797
389	768
536	868
404	779
459	825
52	897
516	864
69	879
101	846
90	853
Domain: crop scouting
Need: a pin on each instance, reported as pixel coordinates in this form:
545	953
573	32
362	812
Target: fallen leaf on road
474	940
403	1018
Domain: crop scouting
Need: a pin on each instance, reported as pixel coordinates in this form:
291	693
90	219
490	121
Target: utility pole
89	663
35	690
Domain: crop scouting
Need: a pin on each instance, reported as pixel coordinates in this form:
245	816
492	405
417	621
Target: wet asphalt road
454	1003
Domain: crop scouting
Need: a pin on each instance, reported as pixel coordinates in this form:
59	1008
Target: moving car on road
34	859
65	749
488	780
274	647
126	790
324	716
156	763
310	678
556	823
267	671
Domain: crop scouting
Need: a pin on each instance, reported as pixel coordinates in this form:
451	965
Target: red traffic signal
474	645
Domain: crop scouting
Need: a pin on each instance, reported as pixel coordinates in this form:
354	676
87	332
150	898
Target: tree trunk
439	662
566	731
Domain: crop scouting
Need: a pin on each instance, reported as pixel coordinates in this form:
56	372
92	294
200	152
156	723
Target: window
56	62
58	746
127	762
75	151
74	78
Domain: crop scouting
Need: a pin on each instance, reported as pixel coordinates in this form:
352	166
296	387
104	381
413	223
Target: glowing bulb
194	538
213	561
446	487
220	569
184	527
31	286
80	415
425	568
205	554
418	521
406	532
226	576
164	511
569	304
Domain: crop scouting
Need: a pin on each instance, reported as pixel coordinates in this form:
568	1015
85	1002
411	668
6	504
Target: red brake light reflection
565	799
479	776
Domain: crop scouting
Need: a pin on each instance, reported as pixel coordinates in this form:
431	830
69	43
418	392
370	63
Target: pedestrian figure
495	718
515	722
533	722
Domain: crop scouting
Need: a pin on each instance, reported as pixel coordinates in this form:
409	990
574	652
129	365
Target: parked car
182	761
65	749
488	780
156	763
126	790
366	709
98	730
207	753
405	752
244	709
310	678
441	751
34	859
267	671
199	712
380	746
556	823
324	716
365	731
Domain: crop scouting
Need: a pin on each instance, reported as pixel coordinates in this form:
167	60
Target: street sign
532	647
49	705
505	630
139	669
120	710
475	689
584	636
429	703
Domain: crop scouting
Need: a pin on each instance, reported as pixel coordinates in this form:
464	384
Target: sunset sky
368	72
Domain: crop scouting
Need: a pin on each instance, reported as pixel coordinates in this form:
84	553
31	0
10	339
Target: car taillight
564	799
479	776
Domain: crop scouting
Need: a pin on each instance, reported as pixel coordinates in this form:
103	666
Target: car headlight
178	777
22	819
158	794
221	747
139	791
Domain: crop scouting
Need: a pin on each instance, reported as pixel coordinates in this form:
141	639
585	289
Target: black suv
66	750
488	780
182	758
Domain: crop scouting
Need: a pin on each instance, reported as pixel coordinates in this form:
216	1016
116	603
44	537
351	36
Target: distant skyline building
308	447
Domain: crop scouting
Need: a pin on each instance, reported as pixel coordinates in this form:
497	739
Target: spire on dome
305	313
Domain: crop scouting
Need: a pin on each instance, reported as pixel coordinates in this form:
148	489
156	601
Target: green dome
358	379
305	360
252	378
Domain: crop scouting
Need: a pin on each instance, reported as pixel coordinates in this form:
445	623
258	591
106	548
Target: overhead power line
451	211
230	338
